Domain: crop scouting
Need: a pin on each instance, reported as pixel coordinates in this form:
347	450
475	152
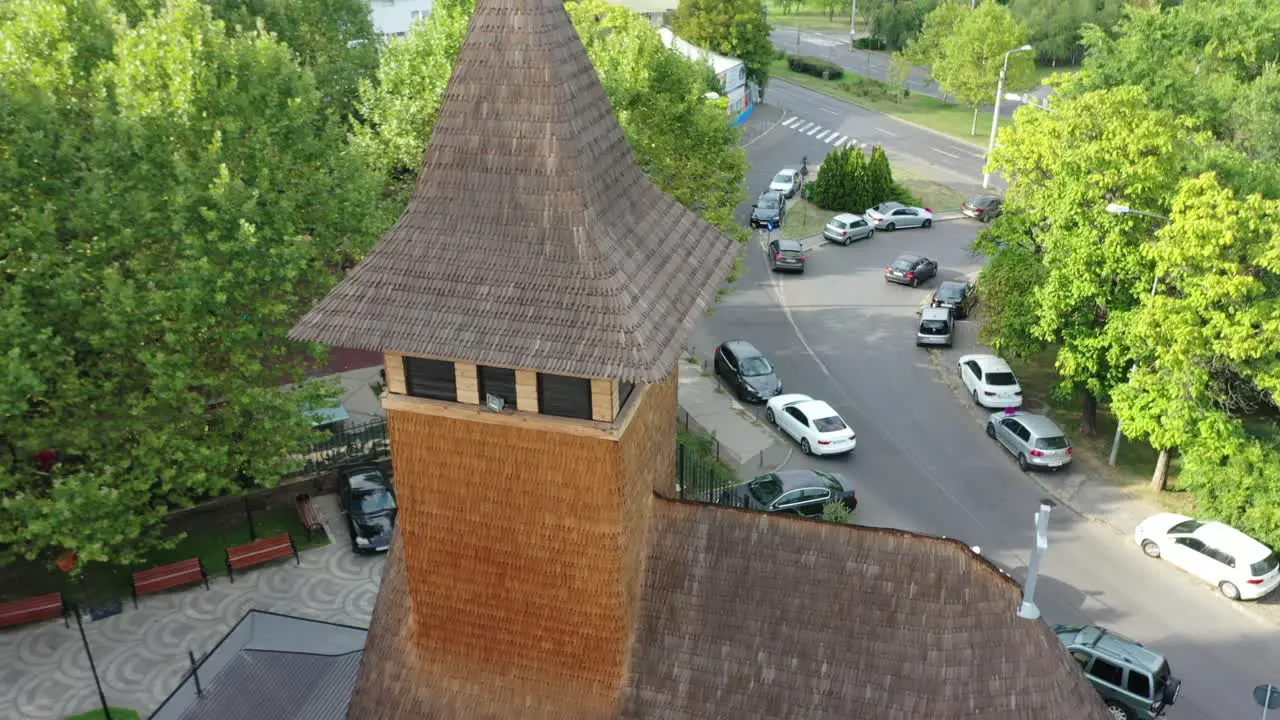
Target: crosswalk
818	132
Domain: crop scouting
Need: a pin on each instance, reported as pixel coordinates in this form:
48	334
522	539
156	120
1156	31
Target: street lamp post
1118	209
853	15
995	116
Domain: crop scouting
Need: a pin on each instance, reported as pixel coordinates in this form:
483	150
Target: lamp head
1117	209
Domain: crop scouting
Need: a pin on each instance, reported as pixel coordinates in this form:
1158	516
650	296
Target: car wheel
890	227
1022	463
991	430
1229	591
1118	712
847	241
927	223
1151	549
768	416
975	398
804	446
914	282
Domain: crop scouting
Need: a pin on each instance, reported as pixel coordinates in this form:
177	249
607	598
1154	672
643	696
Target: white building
731	73
393	18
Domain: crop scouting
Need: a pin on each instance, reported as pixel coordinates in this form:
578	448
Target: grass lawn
1135	461
933	194
944	117
116	714
807	19
803	220
207	538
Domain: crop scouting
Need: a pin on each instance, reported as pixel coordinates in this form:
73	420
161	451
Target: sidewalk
763	119
745	443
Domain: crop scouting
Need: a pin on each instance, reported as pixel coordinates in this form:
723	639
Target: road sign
1268	696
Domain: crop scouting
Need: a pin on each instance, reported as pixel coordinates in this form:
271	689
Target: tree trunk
974	130
1089	415
1160	477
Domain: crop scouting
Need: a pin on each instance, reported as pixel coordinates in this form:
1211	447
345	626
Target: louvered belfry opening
536	263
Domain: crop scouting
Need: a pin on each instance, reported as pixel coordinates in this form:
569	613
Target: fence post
195	675
680	468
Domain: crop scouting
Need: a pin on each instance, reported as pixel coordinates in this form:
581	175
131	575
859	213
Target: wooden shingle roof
748	615
533	239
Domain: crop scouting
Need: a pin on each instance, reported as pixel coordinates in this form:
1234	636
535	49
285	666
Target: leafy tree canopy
896	22
1195	58
684	142
170	195
1065	167
1055	27
736	28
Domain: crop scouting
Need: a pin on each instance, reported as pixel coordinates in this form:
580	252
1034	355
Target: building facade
393	18
730	72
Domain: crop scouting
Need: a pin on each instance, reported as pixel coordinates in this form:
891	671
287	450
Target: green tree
896	22
1065	166
1253	124
837	512
1206	346
879	183
736	28
683	142
965	51
1054	27
841	184
171	196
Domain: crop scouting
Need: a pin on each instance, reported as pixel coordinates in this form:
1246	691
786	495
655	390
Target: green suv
1134	682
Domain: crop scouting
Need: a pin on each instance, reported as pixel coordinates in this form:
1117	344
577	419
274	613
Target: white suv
1239	566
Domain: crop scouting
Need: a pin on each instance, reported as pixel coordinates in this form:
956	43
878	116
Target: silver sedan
891	215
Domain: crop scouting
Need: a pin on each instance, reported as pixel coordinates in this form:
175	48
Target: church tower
532	303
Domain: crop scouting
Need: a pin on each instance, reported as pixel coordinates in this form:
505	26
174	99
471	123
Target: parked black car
370	504
799	491
983	207
959	296
746	371
770	208
786	255
910	270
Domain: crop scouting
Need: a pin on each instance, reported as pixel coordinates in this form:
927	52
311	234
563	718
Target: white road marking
829	110
944	152
791	120
824	135
811	132
831	138
844	139
802	129
886	132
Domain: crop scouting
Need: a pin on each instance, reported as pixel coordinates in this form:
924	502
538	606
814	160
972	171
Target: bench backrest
28	609
182	568
250	553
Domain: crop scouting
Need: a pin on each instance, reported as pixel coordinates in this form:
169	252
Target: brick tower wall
523	546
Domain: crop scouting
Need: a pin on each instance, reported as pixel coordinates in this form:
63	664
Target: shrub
866	88
850	182
870	43
814	66
837	512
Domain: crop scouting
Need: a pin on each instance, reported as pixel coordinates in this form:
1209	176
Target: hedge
814	66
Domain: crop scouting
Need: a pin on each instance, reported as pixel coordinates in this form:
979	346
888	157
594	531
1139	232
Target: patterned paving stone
141	654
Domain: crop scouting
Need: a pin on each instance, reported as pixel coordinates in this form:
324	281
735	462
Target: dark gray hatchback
786	255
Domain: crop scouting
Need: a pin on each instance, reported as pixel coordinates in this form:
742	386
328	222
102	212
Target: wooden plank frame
604	400
393	364
527	391
468	383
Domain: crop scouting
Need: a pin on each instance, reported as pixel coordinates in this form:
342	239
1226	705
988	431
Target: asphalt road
835	48
924	463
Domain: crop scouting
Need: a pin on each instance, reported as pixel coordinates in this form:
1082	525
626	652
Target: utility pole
853	18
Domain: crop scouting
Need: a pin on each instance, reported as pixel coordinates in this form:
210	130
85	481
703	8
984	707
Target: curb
895	117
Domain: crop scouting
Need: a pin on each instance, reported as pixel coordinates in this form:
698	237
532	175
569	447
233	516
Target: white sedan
1239	566
990	381
814	424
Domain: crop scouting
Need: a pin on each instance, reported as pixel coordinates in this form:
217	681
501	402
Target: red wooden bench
261	551
167	577
33	609
307	514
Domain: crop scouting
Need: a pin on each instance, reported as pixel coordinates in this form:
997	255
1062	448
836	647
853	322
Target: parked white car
786	182
1239	566
814	424
990	381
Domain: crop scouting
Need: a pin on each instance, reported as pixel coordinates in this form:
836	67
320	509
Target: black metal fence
349	444
701	475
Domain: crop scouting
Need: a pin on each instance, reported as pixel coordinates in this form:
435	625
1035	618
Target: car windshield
951	292
755	367
768	203
829	424
1186	527
1052	443
1001	378
374	501
765	489
783	178
839	224
933	327
1264	566
901	264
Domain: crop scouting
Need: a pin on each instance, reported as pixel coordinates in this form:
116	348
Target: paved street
840	333
834	47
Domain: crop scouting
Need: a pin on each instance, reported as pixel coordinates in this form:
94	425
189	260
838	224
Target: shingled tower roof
532	240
